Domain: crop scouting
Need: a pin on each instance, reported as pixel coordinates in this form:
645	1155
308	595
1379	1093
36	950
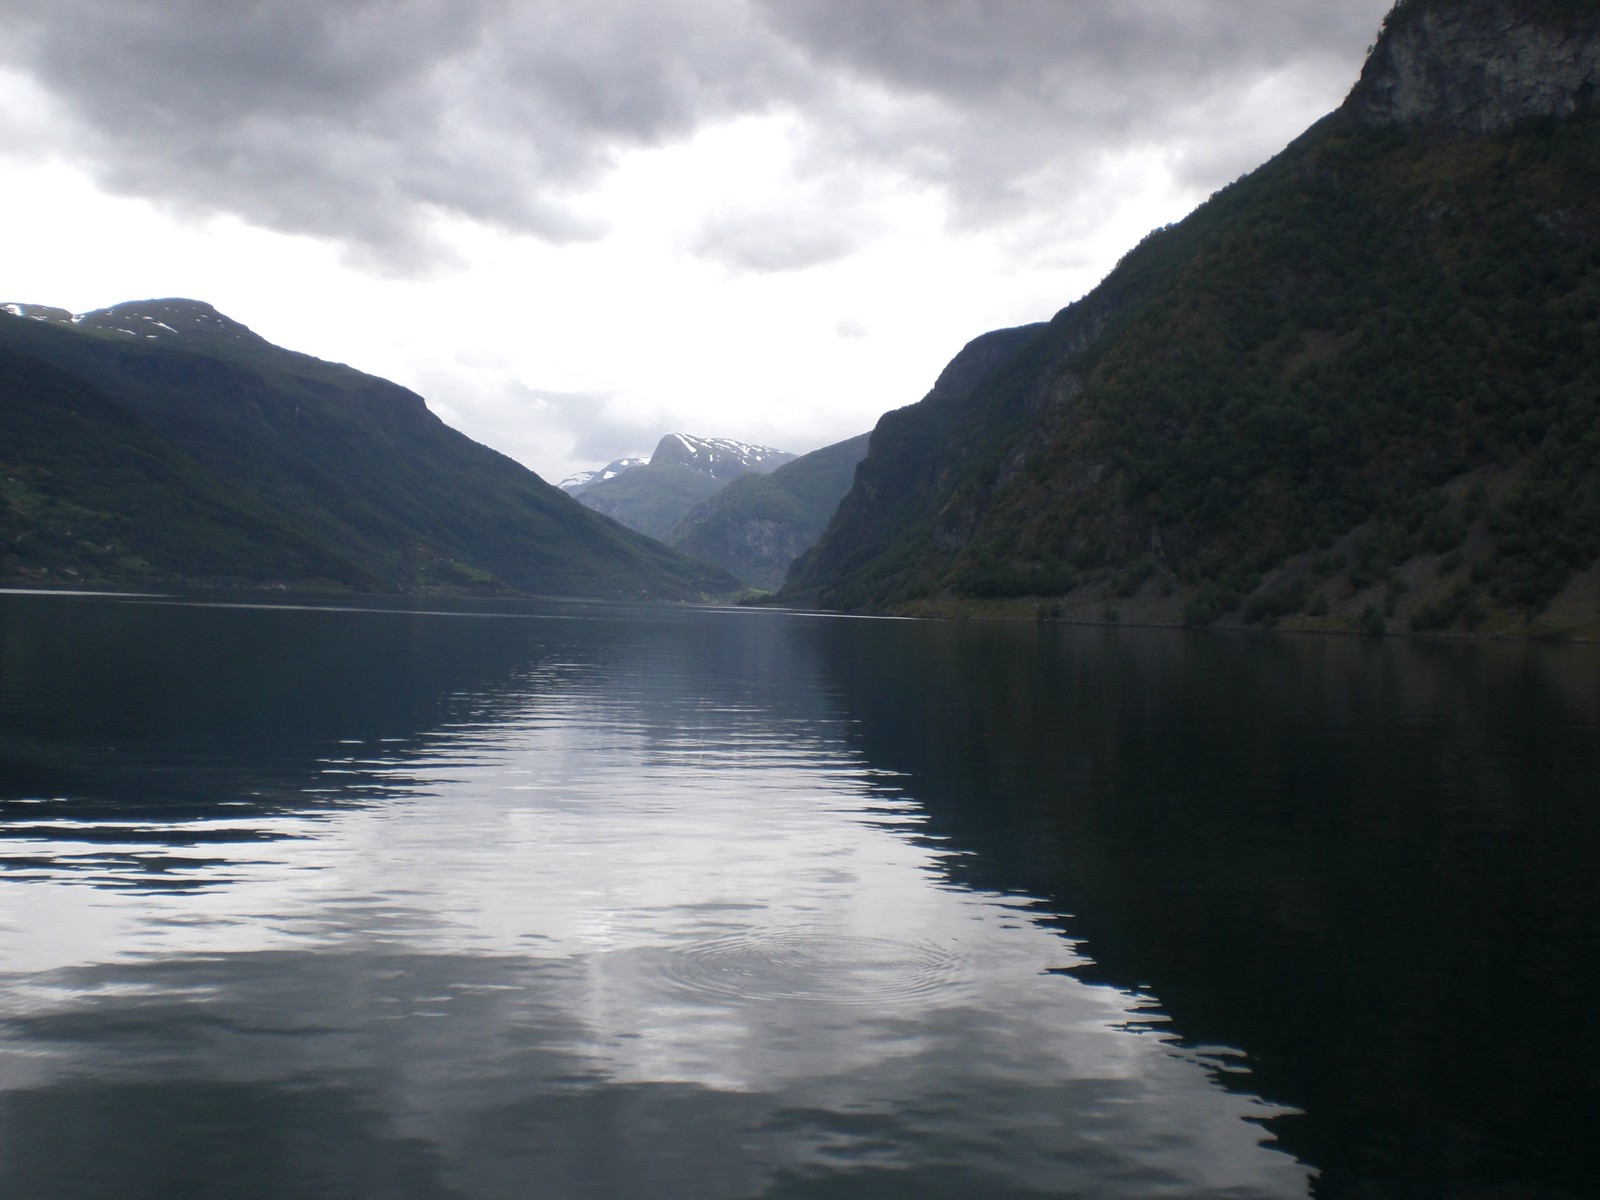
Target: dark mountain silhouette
1354	390
161	441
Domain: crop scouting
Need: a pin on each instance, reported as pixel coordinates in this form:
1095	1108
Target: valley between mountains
1355	391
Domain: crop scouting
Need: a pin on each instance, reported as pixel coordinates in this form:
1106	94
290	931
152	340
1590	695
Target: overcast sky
576	225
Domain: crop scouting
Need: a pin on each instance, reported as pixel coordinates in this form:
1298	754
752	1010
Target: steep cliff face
978	359
1481	66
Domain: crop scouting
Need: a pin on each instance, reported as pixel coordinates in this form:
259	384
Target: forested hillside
161	442
1357	389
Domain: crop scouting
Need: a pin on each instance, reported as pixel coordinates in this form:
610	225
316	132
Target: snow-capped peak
721	458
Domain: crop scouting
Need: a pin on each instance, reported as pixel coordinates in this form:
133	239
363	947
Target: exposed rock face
1481	66
978	358
761	549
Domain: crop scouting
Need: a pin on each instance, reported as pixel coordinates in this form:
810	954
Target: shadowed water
563	900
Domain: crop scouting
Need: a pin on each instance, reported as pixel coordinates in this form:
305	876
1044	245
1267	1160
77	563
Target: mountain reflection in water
566	900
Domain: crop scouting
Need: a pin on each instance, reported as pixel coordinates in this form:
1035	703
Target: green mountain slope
651	498
352	465
1355	389
758	524
90	494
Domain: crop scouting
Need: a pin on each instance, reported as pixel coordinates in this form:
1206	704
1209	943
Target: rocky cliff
979	358
1481	66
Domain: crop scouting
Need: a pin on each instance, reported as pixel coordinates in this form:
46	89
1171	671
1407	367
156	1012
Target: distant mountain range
751	509
160	442
652	495
574	485
1356	390
759	524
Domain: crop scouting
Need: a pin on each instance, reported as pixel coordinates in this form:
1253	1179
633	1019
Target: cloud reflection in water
619	927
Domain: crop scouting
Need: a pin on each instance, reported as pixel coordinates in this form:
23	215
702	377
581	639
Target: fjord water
563	900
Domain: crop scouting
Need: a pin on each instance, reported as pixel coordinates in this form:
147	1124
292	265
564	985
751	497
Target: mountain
1354	390
162	441
90	493
719	458
758	524
575	484
1480	66
654	496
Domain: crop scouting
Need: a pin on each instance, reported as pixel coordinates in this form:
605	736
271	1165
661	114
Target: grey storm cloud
360	121
984	94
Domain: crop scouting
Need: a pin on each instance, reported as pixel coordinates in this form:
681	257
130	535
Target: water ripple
815	966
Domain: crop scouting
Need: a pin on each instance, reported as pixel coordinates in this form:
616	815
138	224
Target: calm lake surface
563	900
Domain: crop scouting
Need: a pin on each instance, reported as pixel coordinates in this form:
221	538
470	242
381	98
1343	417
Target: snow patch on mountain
171	318
39	312
184	320
576	483
721	458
